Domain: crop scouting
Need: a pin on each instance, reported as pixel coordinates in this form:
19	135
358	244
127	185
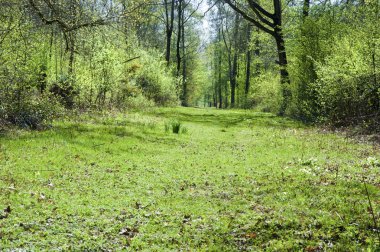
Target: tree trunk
169	29
71	56
168	45
220	80
179	13
282	59
233	79
247	73
284	74
248	63
184	73
305	8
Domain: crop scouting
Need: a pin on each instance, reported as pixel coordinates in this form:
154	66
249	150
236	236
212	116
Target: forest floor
233	180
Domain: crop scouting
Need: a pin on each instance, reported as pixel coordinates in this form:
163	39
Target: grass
237	180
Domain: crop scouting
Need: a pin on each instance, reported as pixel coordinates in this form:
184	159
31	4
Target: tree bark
220	79
179	13
248	63
184	70
169	28
233	79
282	57
248	72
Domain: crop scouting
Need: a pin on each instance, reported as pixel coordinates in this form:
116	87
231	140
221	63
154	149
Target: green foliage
153	78
336	74
348	81
86	68
312	45
265	93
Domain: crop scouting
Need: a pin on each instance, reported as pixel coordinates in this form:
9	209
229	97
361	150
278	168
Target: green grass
237	180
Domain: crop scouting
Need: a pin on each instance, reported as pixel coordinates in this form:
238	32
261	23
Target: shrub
266	95
32	113
156	83
348	88
65	91
138	102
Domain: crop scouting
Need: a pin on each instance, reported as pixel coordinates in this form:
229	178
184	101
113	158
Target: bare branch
249	18
256	6
253	5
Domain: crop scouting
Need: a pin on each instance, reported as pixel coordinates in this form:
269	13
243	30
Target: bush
266	93
156	83
348	88
65	91
138	102
32	113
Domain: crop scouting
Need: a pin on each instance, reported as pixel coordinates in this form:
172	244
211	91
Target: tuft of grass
176	127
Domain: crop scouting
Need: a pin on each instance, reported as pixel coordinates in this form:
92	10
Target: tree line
313	60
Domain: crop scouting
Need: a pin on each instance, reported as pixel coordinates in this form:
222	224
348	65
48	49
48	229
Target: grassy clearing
234	180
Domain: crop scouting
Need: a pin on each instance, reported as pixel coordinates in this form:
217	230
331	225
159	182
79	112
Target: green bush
32	113
266	93
348	88
156	83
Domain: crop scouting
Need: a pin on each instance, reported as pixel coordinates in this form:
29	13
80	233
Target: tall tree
270	23
169	26
248	61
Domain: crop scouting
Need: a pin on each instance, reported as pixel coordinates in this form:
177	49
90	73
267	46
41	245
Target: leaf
251	235
129	232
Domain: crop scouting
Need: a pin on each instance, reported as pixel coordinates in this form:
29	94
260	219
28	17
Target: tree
69	16
270	23
169	26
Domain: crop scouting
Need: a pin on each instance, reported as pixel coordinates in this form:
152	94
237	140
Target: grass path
237	180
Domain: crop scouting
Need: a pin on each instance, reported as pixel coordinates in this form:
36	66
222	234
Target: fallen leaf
251	235
129	232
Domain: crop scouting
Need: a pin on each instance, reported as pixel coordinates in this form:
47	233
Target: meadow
187	179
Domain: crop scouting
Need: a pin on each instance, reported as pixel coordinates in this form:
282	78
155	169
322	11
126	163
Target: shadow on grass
232	119
98	135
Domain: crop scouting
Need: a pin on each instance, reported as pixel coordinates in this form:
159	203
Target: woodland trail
232	180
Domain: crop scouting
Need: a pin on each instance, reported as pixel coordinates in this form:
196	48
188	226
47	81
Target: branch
89	24
225	43
128	60
44	20
192	13
63	25
204	14
253	5
249	18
